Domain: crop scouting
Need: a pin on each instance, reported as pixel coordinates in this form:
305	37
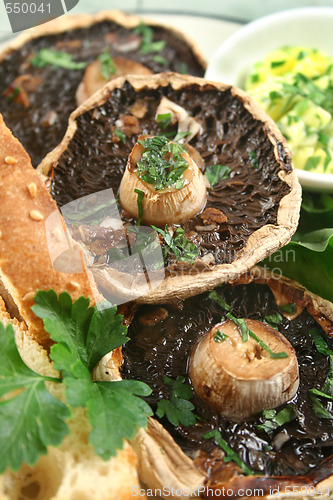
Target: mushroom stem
170	205
239	378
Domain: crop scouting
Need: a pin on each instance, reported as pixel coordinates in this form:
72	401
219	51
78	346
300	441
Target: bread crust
199	277
25	263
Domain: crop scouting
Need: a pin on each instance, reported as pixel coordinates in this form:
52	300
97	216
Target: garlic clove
240	379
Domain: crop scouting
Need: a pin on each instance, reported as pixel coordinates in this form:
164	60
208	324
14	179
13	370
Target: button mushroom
240	378
182	195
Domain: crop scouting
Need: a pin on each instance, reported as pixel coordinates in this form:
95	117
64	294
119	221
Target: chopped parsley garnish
230	455
108	66
147	44
253	159
326	390
246	332
160	60
288	308
120	135
179	245
139	203
276	64
274	320
14	94
55	58
162	163
178	408
33	418
312	162
164	120
216	173
218	299
220	336
273	420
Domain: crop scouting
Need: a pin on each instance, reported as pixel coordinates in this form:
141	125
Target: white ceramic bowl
310	26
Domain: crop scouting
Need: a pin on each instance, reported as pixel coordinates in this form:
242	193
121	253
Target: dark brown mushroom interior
249	198
41	124
162	338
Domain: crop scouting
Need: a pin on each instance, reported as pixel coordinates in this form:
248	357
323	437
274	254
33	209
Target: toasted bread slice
25	261
72	470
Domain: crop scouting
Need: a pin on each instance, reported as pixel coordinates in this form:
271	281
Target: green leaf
216	173
319	409
220	336
66	323
164	120
116	412
30	420
56	58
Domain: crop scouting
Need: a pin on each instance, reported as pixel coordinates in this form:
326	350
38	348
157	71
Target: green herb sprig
148	44
230	455
326	390
178	244
178	408
108	66
34	419
56	58
217	173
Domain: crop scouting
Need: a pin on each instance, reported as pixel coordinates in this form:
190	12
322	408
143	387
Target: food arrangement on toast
144	350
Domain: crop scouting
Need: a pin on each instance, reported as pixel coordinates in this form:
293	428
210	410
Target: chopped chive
14	94
220	336
160	59
253	159
241	325
183	68
230	454
288	308
276	64
139	203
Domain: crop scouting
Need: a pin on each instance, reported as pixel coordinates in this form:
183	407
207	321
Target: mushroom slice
186	123
173	204
162	463
94	80
241	378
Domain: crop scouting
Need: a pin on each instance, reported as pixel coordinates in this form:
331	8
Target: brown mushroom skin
240	379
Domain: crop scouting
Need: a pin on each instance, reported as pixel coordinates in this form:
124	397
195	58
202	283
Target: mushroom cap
57	92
